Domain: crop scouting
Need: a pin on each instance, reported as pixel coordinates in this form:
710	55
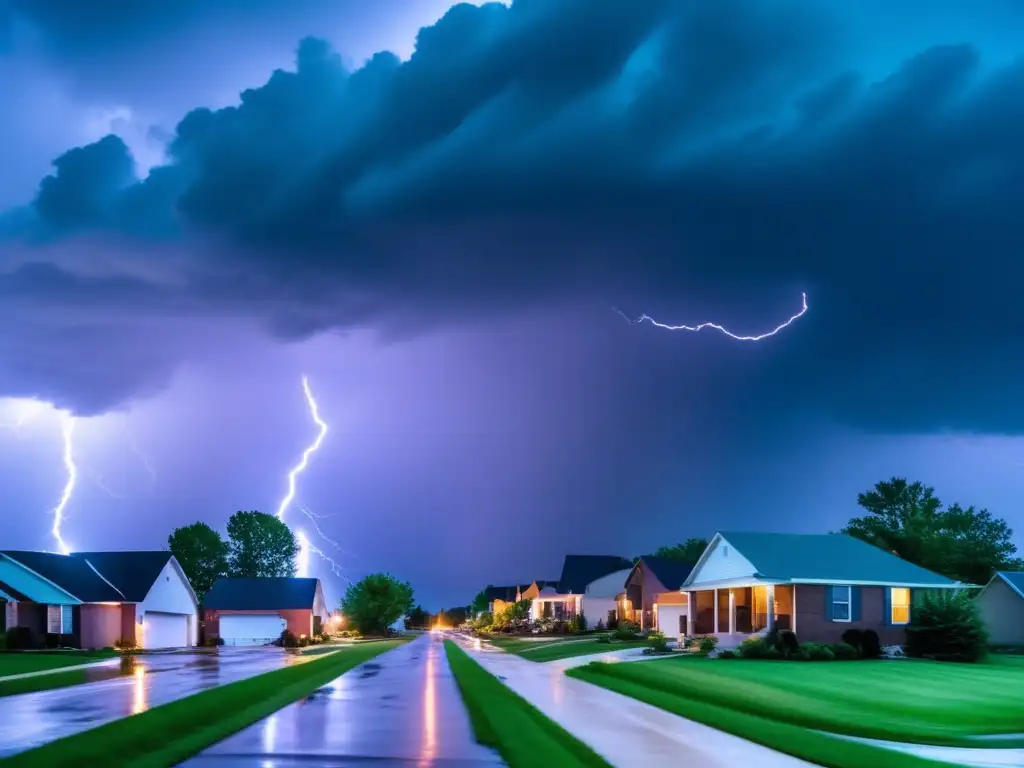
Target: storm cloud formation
642	154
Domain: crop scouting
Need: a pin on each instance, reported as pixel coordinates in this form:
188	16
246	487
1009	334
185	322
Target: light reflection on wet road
401	708
30	719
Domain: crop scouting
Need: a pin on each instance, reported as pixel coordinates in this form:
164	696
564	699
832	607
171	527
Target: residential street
31	719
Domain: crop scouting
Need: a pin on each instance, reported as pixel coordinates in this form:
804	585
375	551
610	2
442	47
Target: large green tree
374	603
260	545
202	554
908	519
481	602
687	552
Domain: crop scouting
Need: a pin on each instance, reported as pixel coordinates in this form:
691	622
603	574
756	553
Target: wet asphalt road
401	708
31	719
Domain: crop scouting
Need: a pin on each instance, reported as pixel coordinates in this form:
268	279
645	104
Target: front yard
561	647
783	704
21	662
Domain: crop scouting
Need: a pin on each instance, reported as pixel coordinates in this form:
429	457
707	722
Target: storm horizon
447	218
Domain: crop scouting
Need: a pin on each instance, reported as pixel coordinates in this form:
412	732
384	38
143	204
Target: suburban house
96	599
532	590
653	598
256	611
1001	605
500	597
818	585
588	585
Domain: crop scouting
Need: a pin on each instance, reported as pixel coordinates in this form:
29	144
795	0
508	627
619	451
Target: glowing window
900	605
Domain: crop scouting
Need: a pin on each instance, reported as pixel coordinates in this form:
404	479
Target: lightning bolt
134	446
716	326
67	430
305	547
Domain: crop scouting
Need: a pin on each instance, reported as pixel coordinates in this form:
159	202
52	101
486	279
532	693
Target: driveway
30	719
401	708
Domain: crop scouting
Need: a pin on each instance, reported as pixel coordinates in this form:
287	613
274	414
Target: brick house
256	611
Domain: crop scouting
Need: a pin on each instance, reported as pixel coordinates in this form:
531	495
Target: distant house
818	585
653	597
257	611
532	590
500	597
1001	605
588	585
95	599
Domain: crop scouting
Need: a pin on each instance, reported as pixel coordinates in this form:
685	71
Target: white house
588	585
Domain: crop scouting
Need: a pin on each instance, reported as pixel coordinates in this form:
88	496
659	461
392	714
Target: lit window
840	603
899	599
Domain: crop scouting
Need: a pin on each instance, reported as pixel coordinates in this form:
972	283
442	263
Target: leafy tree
376	602
202	554
964	544
417	618
947	628
455	617
687	552
260	545
481	602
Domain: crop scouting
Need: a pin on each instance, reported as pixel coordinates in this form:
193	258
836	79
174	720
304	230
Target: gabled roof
824	558
74	575
671	573
268	594
580	570
1014	580
133	573
7	592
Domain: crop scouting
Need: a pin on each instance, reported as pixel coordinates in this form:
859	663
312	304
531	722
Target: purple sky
438	244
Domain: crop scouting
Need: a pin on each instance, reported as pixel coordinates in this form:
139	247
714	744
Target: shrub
19	638
844	652
854	637
817	652
947	628
708	643
658	642
870	645
288	640
627	630
125	644
727	654
303	641
581	622
753	648
600	626
787	642
605	639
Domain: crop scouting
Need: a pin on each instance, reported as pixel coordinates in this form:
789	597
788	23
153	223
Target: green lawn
560	648
909	701
19	662
521	733
168	734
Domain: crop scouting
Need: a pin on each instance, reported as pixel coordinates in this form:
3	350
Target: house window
58	619
841	603
66	620
899	600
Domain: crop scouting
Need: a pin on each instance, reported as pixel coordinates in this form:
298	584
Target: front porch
734	613
555	607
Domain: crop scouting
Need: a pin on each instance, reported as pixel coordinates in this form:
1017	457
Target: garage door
672	620
250	629
165	630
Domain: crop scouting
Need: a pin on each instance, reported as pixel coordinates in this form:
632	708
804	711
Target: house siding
99	625
300	621
1002	610
813	627
722	563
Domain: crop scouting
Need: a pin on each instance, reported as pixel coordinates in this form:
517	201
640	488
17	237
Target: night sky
201	201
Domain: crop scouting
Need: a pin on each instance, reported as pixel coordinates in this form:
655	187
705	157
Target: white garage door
672	620
250	629
165	630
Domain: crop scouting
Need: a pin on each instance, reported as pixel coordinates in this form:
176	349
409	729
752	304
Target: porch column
732	612
792	609
716	612
691	609
769	591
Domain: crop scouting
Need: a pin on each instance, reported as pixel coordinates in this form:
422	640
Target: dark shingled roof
133	573
580	570
671	573
1014	579
269	594
507	594
827	557
72	574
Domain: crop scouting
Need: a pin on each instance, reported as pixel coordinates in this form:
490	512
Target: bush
854	637
752	648
870	644
125	644
303	641
947	628
727	655
658	642
288	640
844	652
19	639
817	652
627	630
581	622
605	639
787	642
600	626
708	643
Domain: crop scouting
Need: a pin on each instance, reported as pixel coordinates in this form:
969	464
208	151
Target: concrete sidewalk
624	731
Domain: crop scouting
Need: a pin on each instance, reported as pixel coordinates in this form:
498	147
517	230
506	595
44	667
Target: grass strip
21	662
523	735
571	650
809	745
168	734
58	680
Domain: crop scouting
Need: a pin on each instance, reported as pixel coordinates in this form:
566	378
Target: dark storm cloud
641	153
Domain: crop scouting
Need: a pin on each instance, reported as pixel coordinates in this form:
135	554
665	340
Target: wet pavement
30	719
401	708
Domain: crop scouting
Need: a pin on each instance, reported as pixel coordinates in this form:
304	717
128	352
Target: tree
908	520
481	602
260	545
376	602
455	617
687	552
202	554
947	628
417	618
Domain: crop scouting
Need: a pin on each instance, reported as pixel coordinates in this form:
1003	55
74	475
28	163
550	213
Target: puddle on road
369	670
